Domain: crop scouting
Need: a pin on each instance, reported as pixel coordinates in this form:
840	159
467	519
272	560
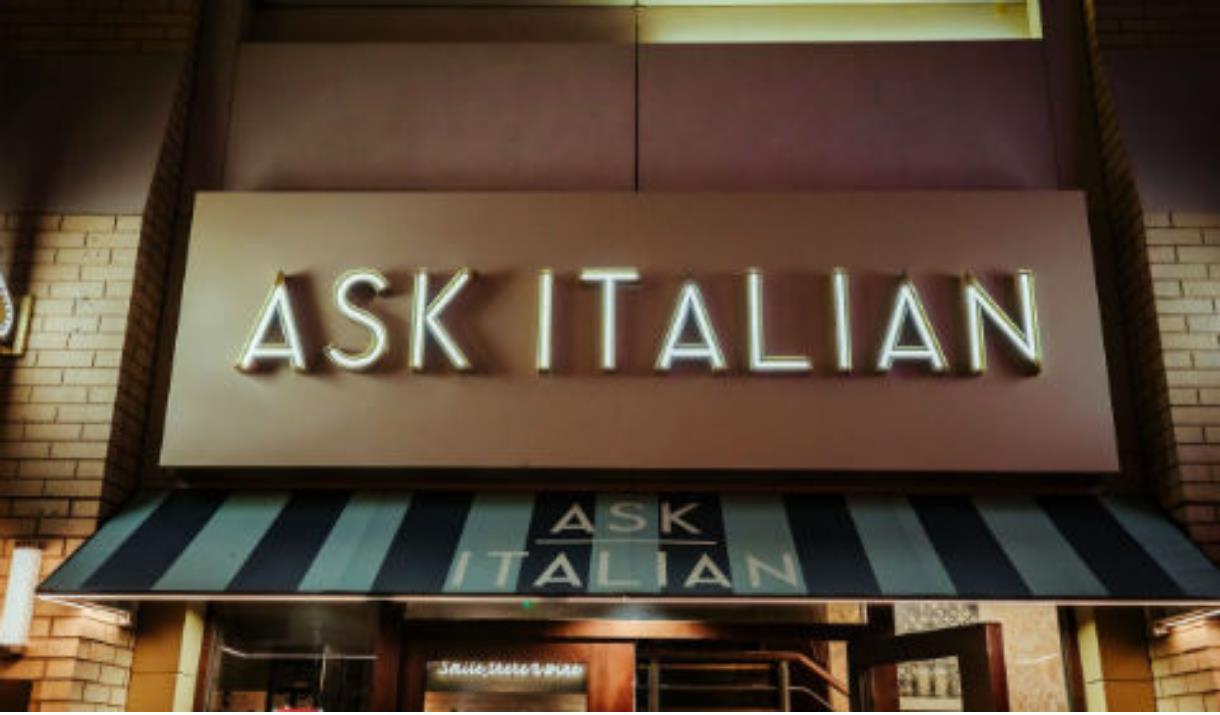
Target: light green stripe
1182	560
756	532
1046	561
217	552
624	556
357	545
489	554
70	577
903	558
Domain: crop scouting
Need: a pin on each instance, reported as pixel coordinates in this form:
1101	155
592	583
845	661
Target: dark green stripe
156	544
1118	559
72	575
290	546
625	545
216	553
832	556
488	558
902	556
1182	560
760	545
1046	561
419	557
352	555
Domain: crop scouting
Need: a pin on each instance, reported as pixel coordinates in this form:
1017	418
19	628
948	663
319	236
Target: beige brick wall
1186	663
1184	260
59	398
62	428
71	419
73	410
1170	278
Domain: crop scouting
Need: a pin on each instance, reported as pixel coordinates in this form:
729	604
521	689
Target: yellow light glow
727	21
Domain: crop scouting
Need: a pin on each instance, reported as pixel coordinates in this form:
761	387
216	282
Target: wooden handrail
758	656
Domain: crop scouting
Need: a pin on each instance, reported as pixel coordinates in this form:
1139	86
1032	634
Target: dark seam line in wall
1048	87
230	102
635	17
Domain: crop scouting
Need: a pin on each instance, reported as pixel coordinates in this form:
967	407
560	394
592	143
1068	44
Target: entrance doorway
563	658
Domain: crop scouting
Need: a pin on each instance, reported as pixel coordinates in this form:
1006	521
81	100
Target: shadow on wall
1169	111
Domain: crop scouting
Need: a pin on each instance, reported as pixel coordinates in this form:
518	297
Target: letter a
276	308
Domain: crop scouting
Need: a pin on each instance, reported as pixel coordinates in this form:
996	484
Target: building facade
658	486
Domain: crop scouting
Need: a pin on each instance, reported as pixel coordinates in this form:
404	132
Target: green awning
656	545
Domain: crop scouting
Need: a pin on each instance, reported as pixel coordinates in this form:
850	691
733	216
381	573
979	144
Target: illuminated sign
906	332
631	553
691	335
493	669
505	676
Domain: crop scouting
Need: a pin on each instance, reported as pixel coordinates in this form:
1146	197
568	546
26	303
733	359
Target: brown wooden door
609	668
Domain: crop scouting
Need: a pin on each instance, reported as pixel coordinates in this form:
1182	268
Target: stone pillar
168	646
1114	659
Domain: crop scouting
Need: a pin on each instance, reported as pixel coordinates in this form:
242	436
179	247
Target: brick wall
58	416
1142	324
1184	256
1186	663
1184	253
1170	273
58	421
73	409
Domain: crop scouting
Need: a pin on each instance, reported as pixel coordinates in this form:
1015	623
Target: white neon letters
277	310
543	349
841	308
908	309
379	341
425	319
760	361
1025	340
691	310
906	332
609	278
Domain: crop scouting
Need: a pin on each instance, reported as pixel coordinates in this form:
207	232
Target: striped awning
393	544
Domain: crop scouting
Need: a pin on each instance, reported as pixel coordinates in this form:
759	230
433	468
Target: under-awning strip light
1164	625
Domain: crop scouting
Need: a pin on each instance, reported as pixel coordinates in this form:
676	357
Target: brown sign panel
503	412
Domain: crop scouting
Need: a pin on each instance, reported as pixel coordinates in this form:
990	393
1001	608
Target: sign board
910	331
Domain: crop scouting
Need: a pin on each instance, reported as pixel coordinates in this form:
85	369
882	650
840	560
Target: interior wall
488	115
82	133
